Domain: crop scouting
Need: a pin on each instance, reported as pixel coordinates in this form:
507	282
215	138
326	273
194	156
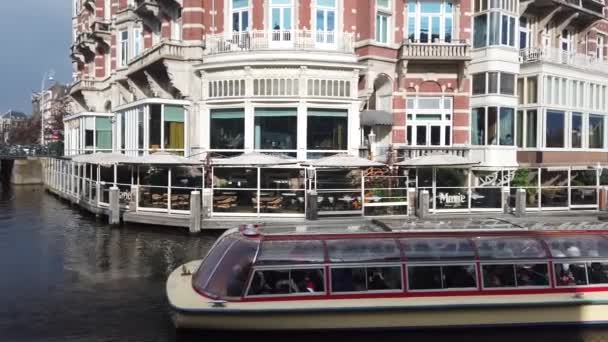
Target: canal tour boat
255	280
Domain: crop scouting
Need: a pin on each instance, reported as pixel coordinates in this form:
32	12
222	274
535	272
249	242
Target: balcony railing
409	152
280	39
166	49
558	56
457	50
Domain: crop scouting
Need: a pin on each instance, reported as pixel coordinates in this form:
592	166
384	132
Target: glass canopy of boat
241	267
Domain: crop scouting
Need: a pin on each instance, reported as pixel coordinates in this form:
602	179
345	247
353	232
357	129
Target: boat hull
194	311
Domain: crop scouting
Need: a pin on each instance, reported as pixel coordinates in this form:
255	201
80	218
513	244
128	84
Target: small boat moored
251	280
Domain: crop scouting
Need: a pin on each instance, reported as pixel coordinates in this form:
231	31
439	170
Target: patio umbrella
165	158
438	160
104	159
343	161
254	159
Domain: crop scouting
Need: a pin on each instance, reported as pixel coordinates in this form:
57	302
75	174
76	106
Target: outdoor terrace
557	56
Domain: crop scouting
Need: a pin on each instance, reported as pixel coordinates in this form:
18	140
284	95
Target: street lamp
48	75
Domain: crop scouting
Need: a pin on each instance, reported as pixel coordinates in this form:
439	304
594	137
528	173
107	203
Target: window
480	35
326	21
327	129
596	131
240	15
599	49
430	21
496	82
555	129
441	277
430	121
103	133
140	128
577	130
531	128
493	126
173	121
479	84
570	274
363	279
525	36
275	129
287	281
532	89
176	24
383	14
521	275
138	40
227	129
89	132
281	15
124	48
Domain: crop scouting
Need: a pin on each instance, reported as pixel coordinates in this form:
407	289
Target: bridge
21	164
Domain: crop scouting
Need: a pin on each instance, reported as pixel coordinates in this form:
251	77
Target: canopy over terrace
164	159
104	159
438	160
343	161
254	159
376	118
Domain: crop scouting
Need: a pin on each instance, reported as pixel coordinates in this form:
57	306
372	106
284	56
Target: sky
35	36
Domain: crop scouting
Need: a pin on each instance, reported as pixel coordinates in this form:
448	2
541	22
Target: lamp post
48	75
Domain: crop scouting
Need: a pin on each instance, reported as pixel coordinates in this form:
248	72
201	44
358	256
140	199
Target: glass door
326	21
281	21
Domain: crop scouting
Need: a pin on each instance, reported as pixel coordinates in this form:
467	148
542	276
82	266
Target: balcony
453	51
85	43
558	56
168	49
101	30
259	40
86	85
147	8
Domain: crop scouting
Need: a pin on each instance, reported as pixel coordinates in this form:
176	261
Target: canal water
64	276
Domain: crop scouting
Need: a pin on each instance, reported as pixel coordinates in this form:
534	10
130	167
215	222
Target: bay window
491	26
240	15
596	131
326	21
555	122
227	129
430	21
493	126
327	129
276	129
429	121
383	16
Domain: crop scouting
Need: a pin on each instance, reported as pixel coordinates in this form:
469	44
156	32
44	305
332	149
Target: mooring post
411	202
207	203
114	216
423	204
312	207
195	212
506	205
133	200
520	203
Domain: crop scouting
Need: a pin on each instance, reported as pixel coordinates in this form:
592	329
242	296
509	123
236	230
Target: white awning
438	160
165	158
376	118
254	159
104	159
343	161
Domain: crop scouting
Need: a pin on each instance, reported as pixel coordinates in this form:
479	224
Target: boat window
291	252
284	282
592	246
519	275
361	279
230	276
597	272
203	274
509	248
438	249
363	250
568	274
441	277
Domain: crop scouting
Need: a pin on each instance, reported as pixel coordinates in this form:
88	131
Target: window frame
445	122
232	11
288	268
442	264
498	128
123	48
515	263
417	16
366	266
379	30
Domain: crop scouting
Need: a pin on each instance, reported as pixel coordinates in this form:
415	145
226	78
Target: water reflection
69	277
